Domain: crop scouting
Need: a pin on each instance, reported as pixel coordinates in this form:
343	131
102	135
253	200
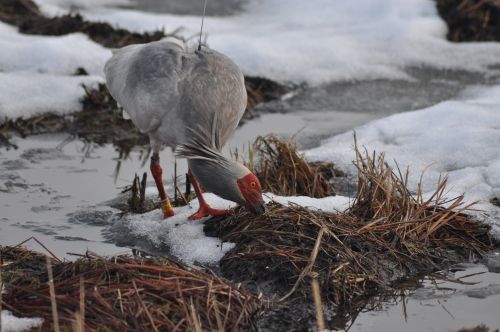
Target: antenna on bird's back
202	20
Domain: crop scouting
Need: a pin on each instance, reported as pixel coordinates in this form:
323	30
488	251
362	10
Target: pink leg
156	170
205	210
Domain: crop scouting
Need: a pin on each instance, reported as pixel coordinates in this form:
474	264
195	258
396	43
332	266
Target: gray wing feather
144	80
171	93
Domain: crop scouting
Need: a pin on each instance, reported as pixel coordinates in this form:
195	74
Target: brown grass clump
126	293
282	170
387	234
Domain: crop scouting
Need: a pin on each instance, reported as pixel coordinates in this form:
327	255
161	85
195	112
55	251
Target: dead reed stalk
282	170
320	319
52	292
153	294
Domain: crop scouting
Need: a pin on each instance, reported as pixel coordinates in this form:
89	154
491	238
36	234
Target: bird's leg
205	210
156	170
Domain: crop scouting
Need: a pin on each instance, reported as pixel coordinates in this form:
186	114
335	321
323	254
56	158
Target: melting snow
185	238
11	323
36	72
322	40
459	138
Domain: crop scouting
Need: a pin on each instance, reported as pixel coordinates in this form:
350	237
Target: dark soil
26	16
471	20
101	122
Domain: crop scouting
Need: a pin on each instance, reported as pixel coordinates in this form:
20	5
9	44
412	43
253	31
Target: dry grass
126	293
282	170
387	234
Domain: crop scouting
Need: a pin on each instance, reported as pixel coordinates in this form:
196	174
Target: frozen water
184	238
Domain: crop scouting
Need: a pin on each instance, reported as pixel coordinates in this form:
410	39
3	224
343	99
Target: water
190	7
441	305
48	179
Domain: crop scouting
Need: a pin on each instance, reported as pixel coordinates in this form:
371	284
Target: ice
11	323
186	240
321	41
457	138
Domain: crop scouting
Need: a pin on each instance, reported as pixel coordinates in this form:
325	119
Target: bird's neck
220	179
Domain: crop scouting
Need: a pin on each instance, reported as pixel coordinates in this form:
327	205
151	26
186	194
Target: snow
36	72
186	240
49	54
27	94
457	138
327	204
321	41
11	323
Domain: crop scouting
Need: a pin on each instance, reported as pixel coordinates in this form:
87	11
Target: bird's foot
206	210
167	209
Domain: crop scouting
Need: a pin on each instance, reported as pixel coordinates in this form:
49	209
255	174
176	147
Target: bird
192	102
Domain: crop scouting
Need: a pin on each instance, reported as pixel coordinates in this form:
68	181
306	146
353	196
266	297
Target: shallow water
190	7
441	305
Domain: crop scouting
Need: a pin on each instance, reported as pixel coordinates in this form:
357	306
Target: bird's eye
253	184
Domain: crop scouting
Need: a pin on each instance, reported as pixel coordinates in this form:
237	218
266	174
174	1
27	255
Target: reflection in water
445	301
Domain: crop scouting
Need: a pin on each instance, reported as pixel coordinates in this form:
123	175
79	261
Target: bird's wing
144	79
213	98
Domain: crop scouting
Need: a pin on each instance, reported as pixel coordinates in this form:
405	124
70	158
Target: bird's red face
252	193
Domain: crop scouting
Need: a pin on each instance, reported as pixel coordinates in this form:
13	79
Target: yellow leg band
166	207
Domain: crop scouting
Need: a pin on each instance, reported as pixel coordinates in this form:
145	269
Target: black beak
259	208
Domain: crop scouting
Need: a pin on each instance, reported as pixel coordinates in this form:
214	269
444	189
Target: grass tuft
282	169
125	293
387	234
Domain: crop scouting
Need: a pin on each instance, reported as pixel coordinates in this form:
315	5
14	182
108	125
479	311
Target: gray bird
191	102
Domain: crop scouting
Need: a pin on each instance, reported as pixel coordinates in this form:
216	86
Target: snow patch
50	54
186	240
27	94
458	138
36	72
327	204
11	323
321	40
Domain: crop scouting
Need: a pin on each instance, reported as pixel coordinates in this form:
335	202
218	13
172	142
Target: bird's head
251	190
229	180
